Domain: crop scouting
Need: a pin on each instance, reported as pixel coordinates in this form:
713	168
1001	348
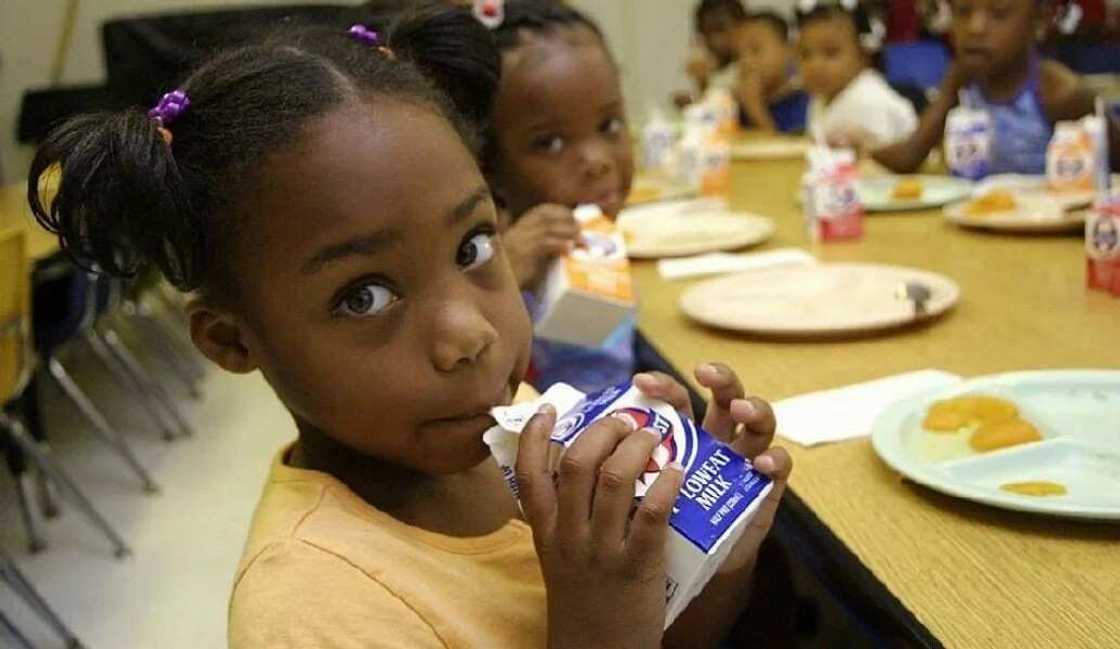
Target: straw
1104	175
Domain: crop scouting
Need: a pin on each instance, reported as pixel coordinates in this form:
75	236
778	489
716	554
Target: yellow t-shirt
324	570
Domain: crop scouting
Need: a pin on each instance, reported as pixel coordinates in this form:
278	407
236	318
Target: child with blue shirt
998	69
768	91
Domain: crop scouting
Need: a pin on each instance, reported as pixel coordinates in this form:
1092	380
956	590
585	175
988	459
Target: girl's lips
610	202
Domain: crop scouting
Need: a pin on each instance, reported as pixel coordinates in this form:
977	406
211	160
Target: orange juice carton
833	210
1071	156
720	495
725	110
1102	246
587	293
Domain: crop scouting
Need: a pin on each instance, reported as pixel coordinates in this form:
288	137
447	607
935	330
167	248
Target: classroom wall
30	31
649	37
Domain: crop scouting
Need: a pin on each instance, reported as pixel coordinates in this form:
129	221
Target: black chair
146	55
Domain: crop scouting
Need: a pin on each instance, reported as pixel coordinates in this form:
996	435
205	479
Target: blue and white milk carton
721	491
968	142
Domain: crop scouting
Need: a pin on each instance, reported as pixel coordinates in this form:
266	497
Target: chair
16	369
15	580
920	64
65	307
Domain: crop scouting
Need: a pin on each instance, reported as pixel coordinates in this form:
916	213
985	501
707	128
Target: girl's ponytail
120	200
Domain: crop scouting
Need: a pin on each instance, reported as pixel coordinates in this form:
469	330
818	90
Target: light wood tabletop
974	576
14	213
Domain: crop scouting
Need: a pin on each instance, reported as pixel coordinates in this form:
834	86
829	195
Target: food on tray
1039	488
992	435
993	422
995	201
967	411
907	189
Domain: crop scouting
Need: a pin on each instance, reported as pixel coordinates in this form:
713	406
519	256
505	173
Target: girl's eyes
476	251
613	126
549	144
365	301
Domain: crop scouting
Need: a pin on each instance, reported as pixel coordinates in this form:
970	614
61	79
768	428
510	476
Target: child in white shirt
850	102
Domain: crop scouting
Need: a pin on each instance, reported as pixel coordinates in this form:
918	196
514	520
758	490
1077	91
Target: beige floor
172	592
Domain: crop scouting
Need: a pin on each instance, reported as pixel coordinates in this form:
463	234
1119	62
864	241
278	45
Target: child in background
290	185
851	104
769	92
711	62
559	139
999	70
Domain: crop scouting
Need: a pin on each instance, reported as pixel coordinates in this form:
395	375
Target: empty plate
681	228
820	300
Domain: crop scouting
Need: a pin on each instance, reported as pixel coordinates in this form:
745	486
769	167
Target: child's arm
709	618
1066	97
541	234
909	154
753	100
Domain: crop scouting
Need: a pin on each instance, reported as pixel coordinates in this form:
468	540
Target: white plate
818	300
681	228
875	192
1078	414
1038	208
654	191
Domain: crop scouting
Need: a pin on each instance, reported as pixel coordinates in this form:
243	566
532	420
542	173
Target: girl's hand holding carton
600	484
541	234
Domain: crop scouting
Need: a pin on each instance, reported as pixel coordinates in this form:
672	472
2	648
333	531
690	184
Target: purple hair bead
365	35
170	107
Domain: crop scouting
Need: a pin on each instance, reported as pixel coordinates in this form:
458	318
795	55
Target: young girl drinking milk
319	193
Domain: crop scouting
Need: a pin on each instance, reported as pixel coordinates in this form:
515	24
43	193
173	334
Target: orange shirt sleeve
295	595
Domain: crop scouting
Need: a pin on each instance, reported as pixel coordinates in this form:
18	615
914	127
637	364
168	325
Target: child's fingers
534	476
775	463
650	523
725	387
614	491
658	385
758	425
555	246
722	381
579	471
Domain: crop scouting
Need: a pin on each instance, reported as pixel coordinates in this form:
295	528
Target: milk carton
658	139
588	293
968	142
714	166
1071	156
831	203
721	491
1102	246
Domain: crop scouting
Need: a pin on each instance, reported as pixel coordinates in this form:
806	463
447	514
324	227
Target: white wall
649	37
30	31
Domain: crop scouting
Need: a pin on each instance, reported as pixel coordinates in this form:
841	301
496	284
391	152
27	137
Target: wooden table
974	576
14	212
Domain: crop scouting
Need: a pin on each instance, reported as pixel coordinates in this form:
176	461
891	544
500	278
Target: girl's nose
596	160
461	336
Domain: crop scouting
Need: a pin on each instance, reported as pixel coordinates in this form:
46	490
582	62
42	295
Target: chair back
15	321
